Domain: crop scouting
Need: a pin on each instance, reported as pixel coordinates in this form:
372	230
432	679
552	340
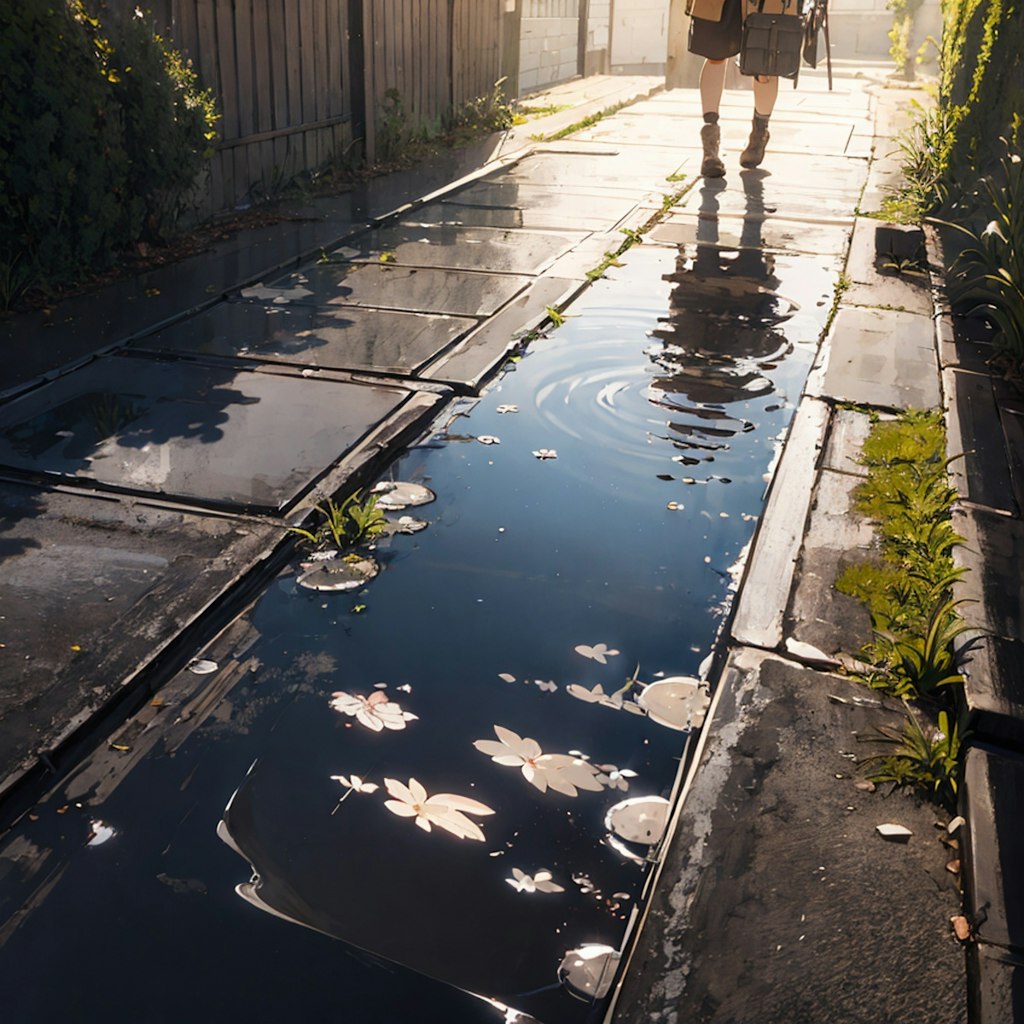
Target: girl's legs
766	90
712	81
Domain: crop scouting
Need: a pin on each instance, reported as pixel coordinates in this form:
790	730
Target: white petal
401	809
370	720
460	803
399	791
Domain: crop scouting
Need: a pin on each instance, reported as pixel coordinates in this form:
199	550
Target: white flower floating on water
559	772
677	702
549	687
445	810
356	784
540	882
599	652
507	408
376	712
488	439
545	453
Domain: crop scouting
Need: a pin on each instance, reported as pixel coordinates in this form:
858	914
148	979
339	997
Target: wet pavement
598	485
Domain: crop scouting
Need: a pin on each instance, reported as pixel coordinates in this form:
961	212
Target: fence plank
279	80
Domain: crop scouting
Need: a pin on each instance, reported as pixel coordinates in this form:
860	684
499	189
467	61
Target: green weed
989	273
347	524
930	761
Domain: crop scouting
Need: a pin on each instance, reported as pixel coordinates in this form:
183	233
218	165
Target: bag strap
828	44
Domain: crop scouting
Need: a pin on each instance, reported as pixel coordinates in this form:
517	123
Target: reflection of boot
710	137
754	153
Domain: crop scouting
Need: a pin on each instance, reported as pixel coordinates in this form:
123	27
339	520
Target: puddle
462	768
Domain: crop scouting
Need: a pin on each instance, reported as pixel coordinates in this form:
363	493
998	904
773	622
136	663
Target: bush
100	140
982	77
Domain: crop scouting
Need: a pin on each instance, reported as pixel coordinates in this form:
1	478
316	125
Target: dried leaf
961	927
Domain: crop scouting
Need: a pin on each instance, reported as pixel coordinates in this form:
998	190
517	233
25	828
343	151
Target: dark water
664	395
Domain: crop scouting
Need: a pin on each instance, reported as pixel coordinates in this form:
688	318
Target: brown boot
710	137
754	153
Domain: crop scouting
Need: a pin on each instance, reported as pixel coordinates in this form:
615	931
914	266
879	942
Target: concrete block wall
640	37
549	43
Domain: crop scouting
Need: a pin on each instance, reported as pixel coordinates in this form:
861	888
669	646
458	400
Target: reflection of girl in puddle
750	261
723	307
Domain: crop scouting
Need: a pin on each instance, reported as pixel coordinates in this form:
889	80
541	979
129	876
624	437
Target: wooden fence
302	82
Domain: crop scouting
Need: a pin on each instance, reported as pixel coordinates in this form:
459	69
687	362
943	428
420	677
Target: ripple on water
683	398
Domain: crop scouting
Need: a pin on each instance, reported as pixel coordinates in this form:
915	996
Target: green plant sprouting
988	275
908	591
345	525
928	759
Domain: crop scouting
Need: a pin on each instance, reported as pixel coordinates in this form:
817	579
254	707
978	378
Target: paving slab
777	897
828	189
451	246
507	205
351	338
391	286
751	232
996	990
92	588
994	656
638	168
473	360
958	348
836	538
993	800
993	667
848	431
766	585
877	280
887	361
980	471
215	435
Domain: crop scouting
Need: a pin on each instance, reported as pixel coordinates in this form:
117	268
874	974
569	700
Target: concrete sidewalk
155	449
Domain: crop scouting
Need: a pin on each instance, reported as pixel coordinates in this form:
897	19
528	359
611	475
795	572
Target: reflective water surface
460	771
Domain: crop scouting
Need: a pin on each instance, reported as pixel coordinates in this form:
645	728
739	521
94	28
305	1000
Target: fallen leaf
488	439
202	666
545	453
961	927
865	785
507	677
122	747
507	408
953	867
957	822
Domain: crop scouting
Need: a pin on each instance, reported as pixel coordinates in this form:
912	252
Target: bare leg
712	82
766	91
